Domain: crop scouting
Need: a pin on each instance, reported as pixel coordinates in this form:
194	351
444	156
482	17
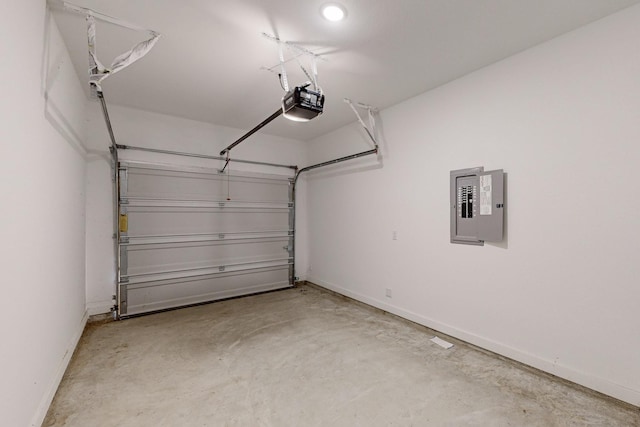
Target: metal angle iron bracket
371	128
298	51
97	71
204	156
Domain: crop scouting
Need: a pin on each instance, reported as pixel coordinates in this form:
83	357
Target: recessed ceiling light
333	12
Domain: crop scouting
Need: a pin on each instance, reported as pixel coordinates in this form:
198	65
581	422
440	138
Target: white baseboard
43	407
99	307
592	382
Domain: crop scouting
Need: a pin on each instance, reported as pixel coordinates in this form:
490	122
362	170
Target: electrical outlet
388	293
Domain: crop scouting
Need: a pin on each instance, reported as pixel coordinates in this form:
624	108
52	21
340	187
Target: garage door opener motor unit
302	104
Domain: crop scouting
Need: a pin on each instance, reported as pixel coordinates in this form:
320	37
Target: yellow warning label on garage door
124	223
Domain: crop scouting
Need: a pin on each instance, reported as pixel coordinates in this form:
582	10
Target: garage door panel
168	294
159	221
168	184
192	235
171	184
156	258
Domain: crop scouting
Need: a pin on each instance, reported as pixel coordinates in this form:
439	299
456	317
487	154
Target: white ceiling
207	64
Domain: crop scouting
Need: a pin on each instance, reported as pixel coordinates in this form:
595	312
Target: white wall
152	130
561	293
42	216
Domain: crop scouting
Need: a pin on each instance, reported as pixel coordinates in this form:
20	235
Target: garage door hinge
124	279
124	239
221	236
221	268
124	201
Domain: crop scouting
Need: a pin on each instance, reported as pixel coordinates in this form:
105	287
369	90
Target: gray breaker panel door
490	223
192	235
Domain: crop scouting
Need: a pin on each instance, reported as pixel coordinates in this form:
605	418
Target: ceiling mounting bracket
371	128
97	71
283	69
297	52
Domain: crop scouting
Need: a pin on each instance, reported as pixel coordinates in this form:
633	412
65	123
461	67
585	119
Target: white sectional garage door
192	235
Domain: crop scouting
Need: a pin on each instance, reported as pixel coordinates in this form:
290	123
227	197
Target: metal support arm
203	156
116	198
334	161
107	121
252	131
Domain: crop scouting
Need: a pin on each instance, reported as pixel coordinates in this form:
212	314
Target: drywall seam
47	398
598	384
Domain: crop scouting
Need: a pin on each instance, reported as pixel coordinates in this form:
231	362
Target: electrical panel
477	206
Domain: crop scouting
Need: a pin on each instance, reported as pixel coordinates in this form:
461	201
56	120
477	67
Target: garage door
192	235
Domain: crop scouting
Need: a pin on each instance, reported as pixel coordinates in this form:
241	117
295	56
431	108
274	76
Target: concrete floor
305	357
